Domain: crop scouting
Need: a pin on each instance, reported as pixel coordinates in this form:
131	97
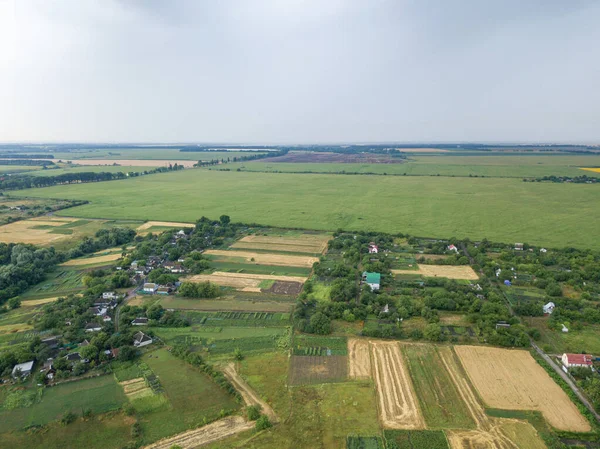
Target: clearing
263	258
512	380
359	359
397	399
36	231
445	271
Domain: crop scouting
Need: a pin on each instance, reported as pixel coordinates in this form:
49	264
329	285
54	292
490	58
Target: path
130	295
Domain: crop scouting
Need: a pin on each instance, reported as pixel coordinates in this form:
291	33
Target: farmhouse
22	370
549	308
452	248
577	360
150	287
373	280
373	249
106	318
140	339
92	327
174	267
73	357
518	246
51	342
140	322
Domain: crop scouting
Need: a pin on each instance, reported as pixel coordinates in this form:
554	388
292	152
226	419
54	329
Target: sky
299	71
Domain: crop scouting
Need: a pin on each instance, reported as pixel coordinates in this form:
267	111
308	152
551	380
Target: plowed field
265	259
398	405
512	380
359	359
444	271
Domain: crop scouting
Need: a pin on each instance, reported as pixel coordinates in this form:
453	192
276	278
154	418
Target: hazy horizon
299	72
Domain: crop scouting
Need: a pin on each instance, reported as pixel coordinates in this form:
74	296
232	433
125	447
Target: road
130	294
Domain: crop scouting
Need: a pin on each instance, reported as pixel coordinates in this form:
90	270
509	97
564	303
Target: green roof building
373	280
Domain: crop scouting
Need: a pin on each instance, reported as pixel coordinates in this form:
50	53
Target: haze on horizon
290	71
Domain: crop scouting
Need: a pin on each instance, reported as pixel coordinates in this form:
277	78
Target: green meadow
499	209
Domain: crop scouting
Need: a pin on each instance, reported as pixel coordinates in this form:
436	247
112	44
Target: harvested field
129	162
34	231
38	302
285	288
398	405
205	435
512	380
163	224
265	259
445	271
251	282
248	394
91	260
306	370
359	359
135	387
306	243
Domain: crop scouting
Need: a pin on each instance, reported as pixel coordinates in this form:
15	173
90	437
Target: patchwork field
262	258
398	404
445	271
302	243
61	282
227	303
512	380
245	281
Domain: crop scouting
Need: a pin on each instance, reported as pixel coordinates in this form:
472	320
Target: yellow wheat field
444	271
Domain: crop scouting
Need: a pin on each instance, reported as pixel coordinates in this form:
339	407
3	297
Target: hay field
265	259
445	271
359	359
512	380
242	281
91	260
305	243
398	405
36	231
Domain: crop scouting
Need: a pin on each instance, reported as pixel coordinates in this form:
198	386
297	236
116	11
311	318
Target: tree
320	323
89	352
262	423
14	303
126	353
224	219
237	354
253	412
433	332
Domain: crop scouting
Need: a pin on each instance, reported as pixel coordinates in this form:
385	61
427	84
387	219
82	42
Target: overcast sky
253	71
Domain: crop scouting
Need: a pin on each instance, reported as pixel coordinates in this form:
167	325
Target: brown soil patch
444	271
398	405
512	380
318	369
91	260
359	359
285	288
266	259
131	381
306	243
205	435
248	394
129	162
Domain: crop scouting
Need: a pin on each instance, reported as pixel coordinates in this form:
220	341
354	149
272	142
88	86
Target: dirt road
248	394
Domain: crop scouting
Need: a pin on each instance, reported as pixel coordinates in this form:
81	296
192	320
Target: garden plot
397	399
262	258
359	359
306	370
445	271
303	243
512	380
251	282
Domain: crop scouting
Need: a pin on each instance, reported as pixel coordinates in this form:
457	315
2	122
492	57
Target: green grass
193	397
6	169
89	168
439	398
576	341
355	442
221	263
498	209
418	439
249	305
99	394
313	345
60	282
320	292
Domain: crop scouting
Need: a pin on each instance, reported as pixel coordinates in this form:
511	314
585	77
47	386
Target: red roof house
577	360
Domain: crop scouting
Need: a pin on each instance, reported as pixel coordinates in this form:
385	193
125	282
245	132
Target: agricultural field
106	258
228	303
247	282
261	258
446	271
359	359
418	439
74	168
512	380
329	202
160	226
398	402
167	154
314	244
61	282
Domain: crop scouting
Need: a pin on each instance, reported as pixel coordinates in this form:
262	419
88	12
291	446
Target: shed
22	369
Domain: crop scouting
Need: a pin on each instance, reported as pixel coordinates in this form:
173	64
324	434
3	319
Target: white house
93	327
109	295
519	246
22	369
150	287
452	248
373	280
373	249
577	360
140	339
140	322
549	308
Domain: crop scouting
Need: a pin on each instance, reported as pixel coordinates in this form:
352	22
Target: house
84	343
141	270
373	249
140	321
518	247
109	295
134	265
98	311
163	291
373	280
452	248
150	287
114	352
549	308
577	360
502	324
498	271
92	327
73	357
140	339
51	342
106	318
174	267
386	309
22	370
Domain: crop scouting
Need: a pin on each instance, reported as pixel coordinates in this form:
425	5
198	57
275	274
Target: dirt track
444	271
266	259
205	435
398	405
359	359
512	380
249	396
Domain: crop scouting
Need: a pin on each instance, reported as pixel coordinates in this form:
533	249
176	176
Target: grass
327	202
418	439
89	168
249	305
99	394
439	398
575	341
317	346
60	282
192	395
241	267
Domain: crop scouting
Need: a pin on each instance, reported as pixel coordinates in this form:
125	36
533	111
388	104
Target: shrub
68	418
262	423
253	412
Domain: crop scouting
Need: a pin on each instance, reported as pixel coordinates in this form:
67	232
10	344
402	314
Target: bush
237	354
253	412
68	418
263	423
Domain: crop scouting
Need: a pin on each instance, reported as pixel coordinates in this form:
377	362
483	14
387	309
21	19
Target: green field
439	398
147	153
6	169
510	166
192	395
498	209
89	168
418	439
576	341
61	282
249	305
99	394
